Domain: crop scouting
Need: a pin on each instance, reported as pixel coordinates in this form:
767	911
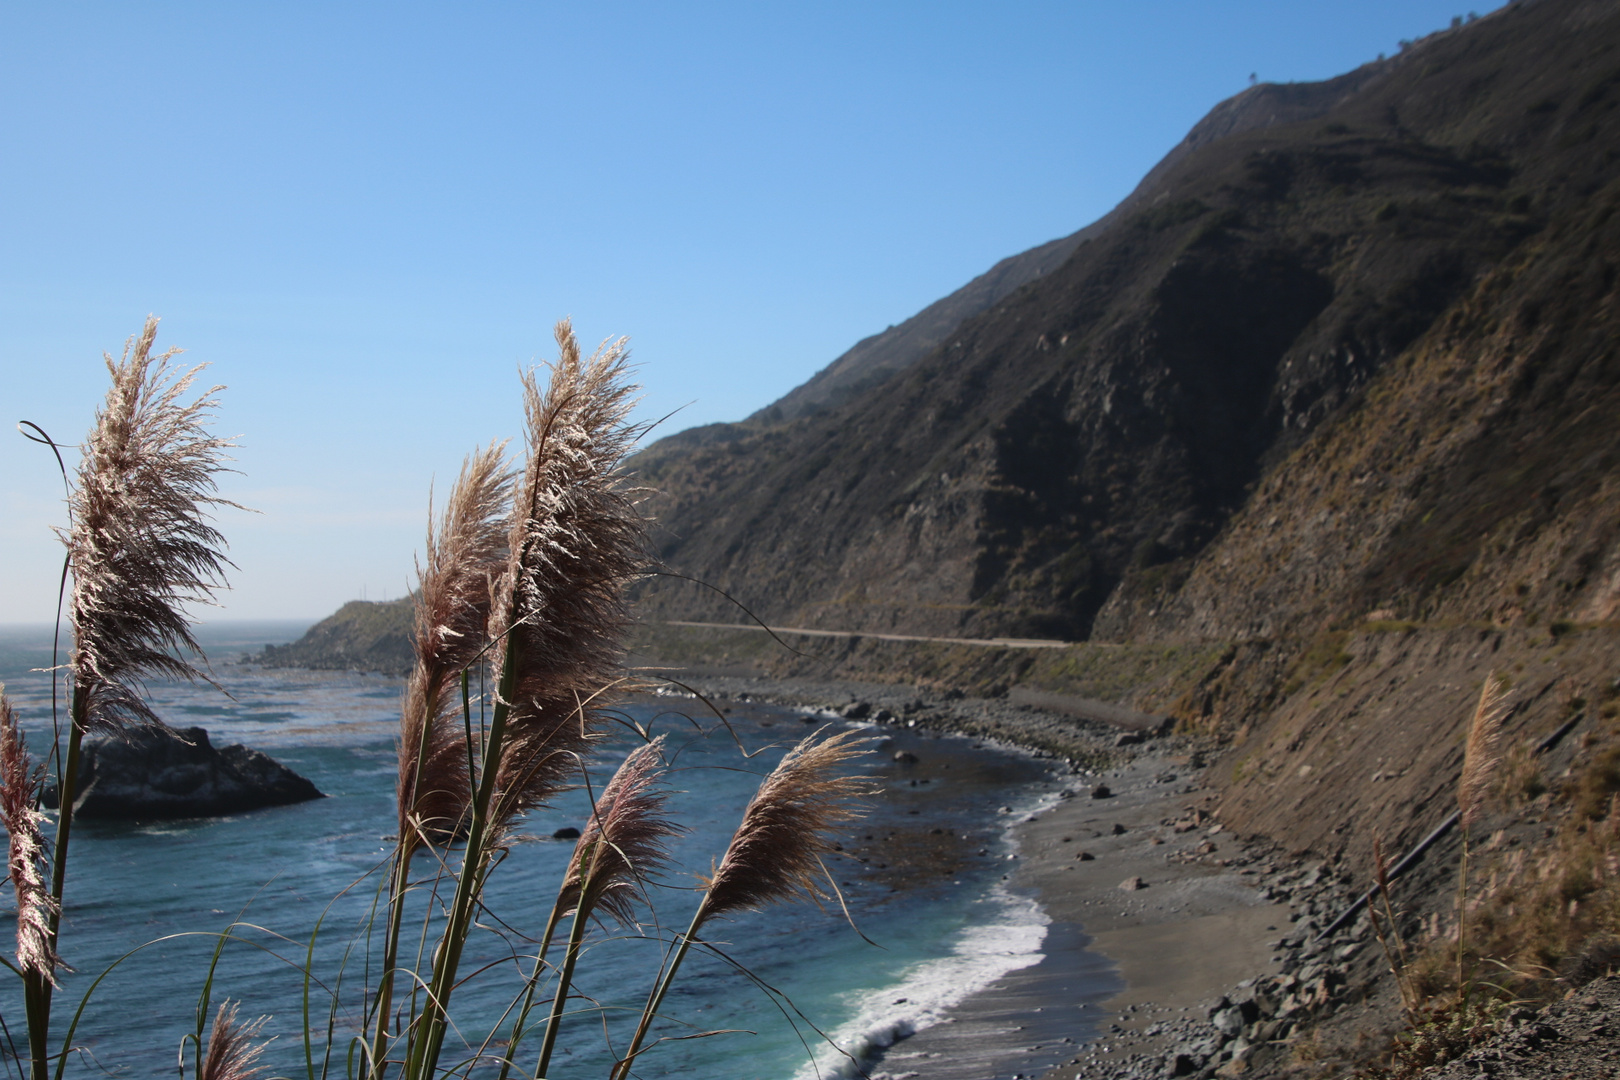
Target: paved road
1002	643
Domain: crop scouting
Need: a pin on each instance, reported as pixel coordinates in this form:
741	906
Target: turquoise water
941	928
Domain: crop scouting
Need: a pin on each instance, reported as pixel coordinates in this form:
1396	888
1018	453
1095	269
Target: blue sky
366	217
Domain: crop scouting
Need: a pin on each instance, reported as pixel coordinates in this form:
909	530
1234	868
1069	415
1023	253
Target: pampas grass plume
139	542
776	852
624	840
25	850
231	1050
465	554
1483	752
575	546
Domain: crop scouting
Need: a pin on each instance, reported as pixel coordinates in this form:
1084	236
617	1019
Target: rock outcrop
178	773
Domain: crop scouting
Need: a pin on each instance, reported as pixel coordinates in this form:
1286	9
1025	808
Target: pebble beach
1207	945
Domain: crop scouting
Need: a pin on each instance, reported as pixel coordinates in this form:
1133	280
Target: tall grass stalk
140	548
573	544
19	795
1388	932
622	843
454	591
775	854
1481	757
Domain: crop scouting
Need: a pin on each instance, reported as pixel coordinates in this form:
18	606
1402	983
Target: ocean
790	992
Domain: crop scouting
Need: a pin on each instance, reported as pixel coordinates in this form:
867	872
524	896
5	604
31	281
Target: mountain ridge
878	356
1262	290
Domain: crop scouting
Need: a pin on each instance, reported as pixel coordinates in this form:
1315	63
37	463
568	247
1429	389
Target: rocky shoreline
1133	854
1219	939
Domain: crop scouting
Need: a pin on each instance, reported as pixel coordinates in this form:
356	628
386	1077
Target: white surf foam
1009	939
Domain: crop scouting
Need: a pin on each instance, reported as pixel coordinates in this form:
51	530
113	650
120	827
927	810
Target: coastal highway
1000	643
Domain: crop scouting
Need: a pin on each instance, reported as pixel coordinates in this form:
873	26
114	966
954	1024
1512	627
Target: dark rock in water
1101	792
905	757
177	773
567	832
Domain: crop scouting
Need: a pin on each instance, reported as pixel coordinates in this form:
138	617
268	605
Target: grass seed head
575	544
465	554
1483	752
139	542
26	850
624	841
776	852
231	1049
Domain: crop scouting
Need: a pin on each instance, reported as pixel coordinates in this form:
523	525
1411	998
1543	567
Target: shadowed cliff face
1063	460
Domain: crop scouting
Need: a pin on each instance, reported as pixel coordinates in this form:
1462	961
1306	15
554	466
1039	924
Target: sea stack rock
176	773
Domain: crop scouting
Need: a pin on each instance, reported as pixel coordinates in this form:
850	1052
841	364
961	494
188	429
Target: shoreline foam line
984	952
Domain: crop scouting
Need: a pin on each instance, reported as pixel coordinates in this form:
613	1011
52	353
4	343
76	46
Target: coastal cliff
1301	449
362	635
1328	405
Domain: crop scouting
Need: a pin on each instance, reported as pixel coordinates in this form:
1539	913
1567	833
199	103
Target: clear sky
366	217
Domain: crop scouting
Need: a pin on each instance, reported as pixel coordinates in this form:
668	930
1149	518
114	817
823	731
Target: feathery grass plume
575	546
776	852
231	1050
140	548
18	785
434	789
465	554
1483	752
139	543
623	842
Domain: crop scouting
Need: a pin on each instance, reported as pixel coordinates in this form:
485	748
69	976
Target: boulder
176	773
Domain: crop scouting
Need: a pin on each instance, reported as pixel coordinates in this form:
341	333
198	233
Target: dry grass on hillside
1543	905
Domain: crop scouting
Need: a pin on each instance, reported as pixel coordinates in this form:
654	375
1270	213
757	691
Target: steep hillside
1334	409
1076	447
875	359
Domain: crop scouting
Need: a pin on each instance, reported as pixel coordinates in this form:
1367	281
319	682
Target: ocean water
793	991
